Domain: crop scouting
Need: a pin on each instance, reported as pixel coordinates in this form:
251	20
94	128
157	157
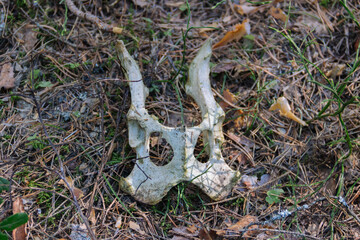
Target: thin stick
92	18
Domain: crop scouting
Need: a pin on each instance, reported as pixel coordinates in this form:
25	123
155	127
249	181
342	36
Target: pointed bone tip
206	47
120	46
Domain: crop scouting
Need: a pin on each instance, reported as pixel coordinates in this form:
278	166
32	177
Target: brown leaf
188	232
236	34
277	13
241	120
92	216
228	96
20	232
192	229
207	235
27	36
78	193
7	79
69	181
243	223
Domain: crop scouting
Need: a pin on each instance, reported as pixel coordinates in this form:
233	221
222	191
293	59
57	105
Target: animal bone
149	183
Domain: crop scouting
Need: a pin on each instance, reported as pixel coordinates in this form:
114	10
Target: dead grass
66	117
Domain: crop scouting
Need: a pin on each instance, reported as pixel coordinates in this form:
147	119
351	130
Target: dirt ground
64	98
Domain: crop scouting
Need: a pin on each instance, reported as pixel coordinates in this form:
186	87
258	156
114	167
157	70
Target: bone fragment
149	183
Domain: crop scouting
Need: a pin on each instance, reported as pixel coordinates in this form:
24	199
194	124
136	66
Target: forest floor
64	98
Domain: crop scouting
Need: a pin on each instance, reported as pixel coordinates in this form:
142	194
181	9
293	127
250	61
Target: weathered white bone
149	183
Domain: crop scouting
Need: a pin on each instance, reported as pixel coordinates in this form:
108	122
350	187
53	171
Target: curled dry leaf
282	104
236	34
7	79
277	13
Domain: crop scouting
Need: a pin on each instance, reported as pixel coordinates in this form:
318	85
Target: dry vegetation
64	100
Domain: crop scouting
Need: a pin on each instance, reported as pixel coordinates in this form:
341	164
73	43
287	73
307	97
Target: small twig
92	18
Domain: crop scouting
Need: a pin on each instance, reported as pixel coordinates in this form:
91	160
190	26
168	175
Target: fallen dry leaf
92	216
186	232
134	226
241	120
20	232
27	36
207	235
7	79
282	104
243	223
229	97
244	9
78	193
192	229
236	34
277	13
336	70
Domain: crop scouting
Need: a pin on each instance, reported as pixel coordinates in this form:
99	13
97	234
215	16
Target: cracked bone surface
149	183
